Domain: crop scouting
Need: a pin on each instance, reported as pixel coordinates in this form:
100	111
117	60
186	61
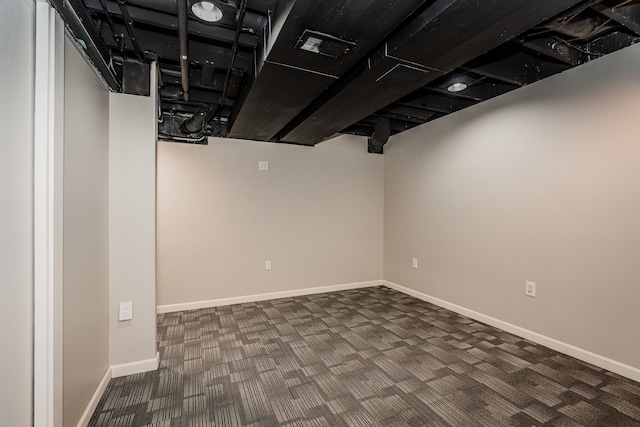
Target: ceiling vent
323	44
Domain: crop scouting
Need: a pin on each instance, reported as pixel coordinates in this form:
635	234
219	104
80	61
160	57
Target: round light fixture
457	87
207	11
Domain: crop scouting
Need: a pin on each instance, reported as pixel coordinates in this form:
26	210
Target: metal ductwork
312	44
381	134
446	35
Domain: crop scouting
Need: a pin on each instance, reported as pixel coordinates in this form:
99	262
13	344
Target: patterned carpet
366	357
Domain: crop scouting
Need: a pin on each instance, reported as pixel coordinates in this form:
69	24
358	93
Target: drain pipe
196	122
184	47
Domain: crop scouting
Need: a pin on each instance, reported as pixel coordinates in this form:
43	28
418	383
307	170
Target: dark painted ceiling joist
556	49
440	103
612	42
409	113
167	46
517	67
625	13
164	21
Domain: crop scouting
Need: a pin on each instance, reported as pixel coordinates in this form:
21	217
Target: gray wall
541	184
316	214
86	234
16	212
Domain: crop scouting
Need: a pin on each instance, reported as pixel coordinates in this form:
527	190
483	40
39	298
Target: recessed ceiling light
207	11
457	87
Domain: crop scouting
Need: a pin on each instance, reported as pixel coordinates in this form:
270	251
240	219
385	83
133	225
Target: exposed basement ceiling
303	71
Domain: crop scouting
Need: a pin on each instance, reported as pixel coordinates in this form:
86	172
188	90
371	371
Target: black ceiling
303	71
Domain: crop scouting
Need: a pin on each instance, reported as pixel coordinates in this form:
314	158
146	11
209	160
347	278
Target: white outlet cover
263	166
126	311
530	289
267	265
414	262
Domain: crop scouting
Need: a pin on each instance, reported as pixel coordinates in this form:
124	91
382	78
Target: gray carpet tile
366	357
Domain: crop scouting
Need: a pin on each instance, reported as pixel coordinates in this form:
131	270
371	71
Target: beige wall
16	211
86	234
316	214
132	225
542	185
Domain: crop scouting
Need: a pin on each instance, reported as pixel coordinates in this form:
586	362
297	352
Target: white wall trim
116	371
48	158
571	350
136	367
95	399
170	308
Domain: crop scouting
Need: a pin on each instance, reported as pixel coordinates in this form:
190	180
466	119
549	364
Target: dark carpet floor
366	357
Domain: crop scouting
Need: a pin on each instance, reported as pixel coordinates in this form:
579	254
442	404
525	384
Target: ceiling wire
234	51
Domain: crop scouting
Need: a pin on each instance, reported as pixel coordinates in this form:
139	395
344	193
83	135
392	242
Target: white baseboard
93	403
577	352
135	367
170	308
116	371
571	350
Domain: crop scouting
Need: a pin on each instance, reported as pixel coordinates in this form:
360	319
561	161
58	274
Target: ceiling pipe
112	26
234	51
199	120
184	47
128	23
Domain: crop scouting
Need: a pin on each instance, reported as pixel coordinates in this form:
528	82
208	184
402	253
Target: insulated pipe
184	47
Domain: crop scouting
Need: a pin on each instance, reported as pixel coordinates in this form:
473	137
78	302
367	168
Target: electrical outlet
530	289
267	264
414	262
126	311
263	166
